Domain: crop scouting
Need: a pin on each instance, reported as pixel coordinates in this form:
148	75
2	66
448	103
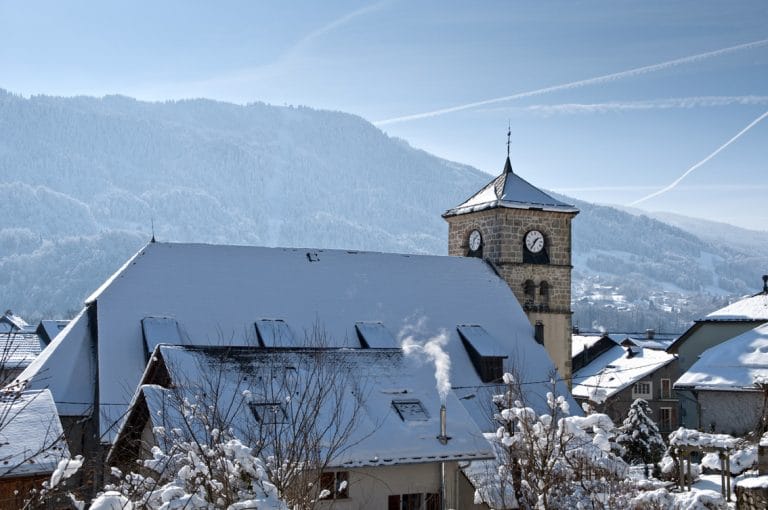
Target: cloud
702	162
580	83
653	104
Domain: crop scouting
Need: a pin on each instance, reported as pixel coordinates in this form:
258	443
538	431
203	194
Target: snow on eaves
614	371
32	436
733	365
753	308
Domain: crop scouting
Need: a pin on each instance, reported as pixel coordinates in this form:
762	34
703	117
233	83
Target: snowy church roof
216	295
387	400
512	191
616	370
733	365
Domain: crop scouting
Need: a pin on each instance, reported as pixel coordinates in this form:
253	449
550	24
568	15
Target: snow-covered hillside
83	180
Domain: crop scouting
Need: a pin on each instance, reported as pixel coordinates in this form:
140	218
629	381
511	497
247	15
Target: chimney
443	437
575	330
765	283
649	334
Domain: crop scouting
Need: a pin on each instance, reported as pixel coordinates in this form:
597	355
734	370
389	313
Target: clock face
534	241
475	240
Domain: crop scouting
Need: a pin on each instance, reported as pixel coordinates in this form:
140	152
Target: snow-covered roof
216	295
579	343
753	308
372	381
512	191
31	437
614	371
732	365
49	328
18	350
12	322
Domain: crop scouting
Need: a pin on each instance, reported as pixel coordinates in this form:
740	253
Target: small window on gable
269	413
410	410
373	335
274	333
484	351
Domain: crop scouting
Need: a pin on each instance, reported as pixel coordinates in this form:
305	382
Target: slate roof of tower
215	295
511	191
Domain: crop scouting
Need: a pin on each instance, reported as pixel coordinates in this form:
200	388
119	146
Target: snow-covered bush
640	436
740	460
195	476
554	460
661	499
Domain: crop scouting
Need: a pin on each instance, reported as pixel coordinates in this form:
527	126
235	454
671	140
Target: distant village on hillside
222	376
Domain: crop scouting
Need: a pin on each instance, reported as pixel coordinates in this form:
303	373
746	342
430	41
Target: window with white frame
642	389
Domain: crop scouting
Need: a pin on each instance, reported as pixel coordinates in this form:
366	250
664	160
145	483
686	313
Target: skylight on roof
269	413
410	410
374	335
274	333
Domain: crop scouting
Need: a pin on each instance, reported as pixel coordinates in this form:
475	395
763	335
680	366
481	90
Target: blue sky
609	140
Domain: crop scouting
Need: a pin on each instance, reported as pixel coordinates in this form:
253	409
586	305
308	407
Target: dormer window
274	333
484	351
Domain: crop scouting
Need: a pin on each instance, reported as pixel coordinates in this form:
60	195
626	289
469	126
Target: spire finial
509	136
152	220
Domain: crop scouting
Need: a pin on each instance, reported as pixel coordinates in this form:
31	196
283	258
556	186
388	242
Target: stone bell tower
526	235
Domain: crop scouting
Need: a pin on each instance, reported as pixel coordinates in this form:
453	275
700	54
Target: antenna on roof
152	220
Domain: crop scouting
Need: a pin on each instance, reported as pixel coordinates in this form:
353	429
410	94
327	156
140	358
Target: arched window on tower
544	296
529	292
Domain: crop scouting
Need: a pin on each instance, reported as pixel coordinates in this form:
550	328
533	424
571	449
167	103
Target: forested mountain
83	180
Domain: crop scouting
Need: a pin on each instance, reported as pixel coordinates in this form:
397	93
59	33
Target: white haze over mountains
83	179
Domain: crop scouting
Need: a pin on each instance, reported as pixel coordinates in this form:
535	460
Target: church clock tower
526	235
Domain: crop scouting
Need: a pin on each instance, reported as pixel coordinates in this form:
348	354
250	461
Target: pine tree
640	436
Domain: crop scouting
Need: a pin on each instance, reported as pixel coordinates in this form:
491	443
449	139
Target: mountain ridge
85	178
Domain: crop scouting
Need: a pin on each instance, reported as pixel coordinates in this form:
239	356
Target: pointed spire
152	219
508	163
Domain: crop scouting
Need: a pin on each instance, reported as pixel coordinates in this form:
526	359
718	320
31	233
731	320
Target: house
587	348
728	382
618	376
383	433
715	328
19	345
32	444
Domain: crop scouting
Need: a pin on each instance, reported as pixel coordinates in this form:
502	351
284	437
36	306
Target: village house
729	384
32	444
511	244
20	343
616	375
714	329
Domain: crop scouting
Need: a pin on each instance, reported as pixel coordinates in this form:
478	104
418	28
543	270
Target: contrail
697	165
580	83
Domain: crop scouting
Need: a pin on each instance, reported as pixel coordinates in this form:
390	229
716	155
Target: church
500	302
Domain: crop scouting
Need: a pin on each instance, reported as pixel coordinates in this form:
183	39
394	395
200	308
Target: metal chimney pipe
443	437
